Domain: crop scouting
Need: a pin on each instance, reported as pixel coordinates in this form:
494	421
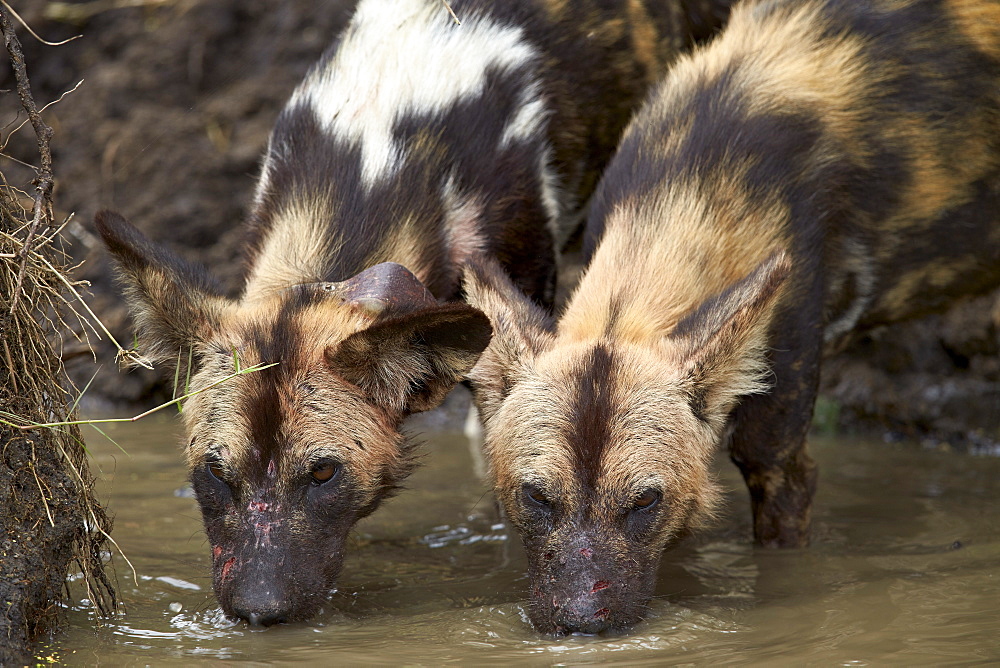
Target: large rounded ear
722	345
175	304
409	362
521	330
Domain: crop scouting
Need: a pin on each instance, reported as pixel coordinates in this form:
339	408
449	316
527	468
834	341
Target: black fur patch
592	413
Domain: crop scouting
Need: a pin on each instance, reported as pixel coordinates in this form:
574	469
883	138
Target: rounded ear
175	304
521	330
722	345
410	362
382	289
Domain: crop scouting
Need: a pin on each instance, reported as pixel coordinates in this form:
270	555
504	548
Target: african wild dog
821	168
415	141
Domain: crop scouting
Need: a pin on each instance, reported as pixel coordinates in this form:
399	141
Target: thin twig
10	365
24	254
93	517
79	12
20	162
86	387
41	490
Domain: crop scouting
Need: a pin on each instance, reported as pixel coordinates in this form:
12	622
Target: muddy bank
935	379
48	513
34	551
174	113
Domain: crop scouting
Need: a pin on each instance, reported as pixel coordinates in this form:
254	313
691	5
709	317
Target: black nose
585	620
264	618
261	610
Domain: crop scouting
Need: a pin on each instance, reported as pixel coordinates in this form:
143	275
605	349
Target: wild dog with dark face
414	141
823	167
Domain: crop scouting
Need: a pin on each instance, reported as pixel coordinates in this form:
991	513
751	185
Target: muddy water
904	569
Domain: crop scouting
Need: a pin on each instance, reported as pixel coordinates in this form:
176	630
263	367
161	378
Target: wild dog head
599	450
285	460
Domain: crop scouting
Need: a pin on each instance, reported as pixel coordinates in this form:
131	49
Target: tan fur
942	181
654	294
521	331
980	21
808	72
464	237
904	297
402	247
172	324
299	245
296	249
645	40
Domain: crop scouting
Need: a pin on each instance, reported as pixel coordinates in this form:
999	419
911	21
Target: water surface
904	569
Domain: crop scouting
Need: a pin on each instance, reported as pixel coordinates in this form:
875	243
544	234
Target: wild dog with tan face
823	167
415	141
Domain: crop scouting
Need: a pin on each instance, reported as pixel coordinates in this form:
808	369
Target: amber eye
536	496
215	468
324	472
646	500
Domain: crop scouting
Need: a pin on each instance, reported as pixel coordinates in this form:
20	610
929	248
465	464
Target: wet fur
819	169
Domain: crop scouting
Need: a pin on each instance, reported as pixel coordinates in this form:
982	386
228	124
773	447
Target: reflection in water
903	569
463	535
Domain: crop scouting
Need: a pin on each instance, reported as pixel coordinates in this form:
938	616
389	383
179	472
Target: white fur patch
530	119
561	224
401	57
473	430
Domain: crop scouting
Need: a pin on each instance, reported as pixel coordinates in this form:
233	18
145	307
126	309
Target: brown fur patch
979	21
297	248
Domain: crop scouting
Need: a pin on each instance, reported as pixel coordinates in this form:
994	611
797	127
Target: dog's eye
216	469
536	496
648	499
325	472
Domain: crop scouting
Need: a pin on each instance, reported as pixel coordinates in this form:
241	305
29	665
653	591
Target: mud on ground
168	127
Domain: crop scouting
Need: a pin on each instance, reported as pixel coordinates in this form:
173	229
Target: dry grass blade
451	11
17	422
33	33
